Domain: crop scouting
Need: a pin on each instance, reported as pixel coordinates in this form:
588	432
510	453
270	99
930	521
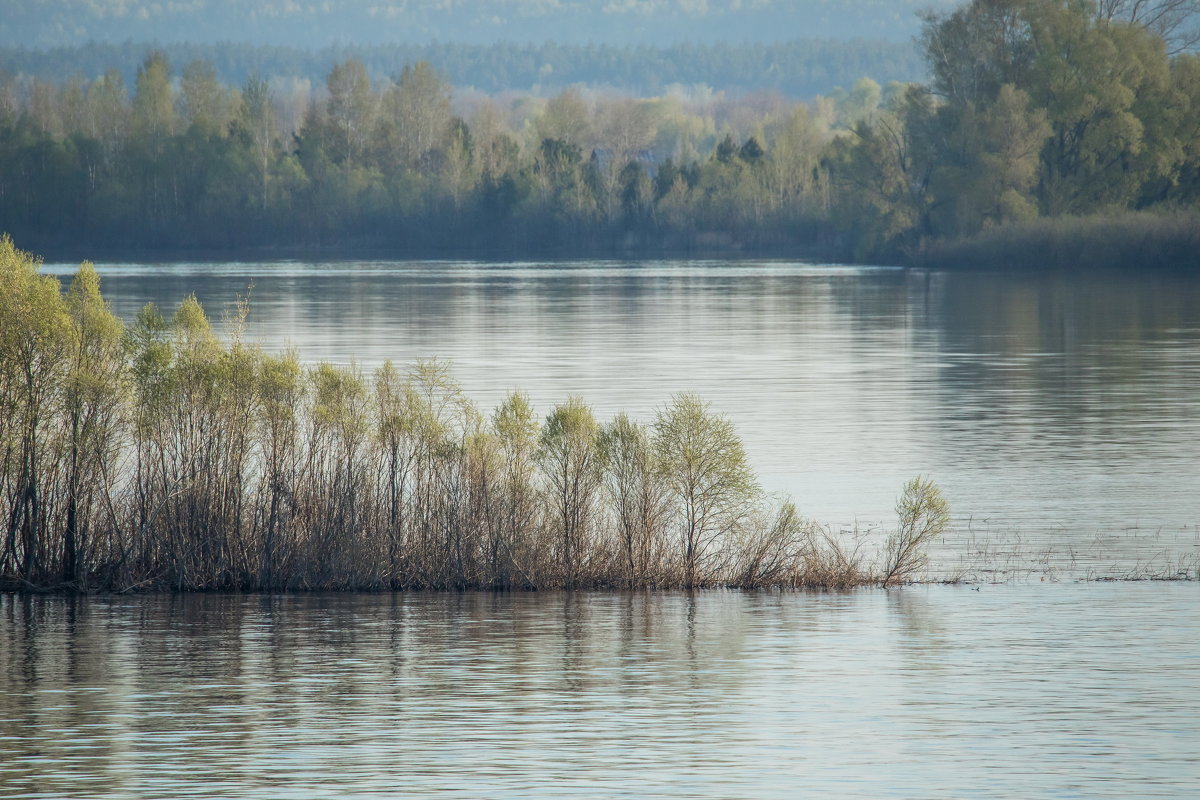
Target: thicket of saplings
163	457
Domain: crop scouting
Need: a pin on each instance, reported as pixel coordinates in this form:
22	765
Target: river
1060	414
1016	690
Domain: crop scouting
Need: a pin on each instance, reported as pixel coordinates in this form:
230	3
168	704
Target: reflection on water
1014	691
1061	414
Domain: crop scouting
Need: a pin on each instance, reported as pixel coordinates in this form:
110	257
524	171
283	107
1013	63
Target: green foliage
153	103
569	458
42	379
348	115
203	101
515	423
639	492
166	456
882	172
95	391
566	119
988	163
1035	108
923	515
709	479
861	103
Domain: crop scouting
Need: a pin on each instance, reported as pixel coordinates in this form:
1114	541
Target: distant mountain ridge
319	23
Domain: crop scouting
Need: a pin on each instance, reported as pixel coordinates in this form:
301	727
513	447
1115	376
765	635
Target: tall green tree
203	100
153	99
987	163
705	466
35	342
1101	85
512	543
882	173
107	113
565	118
96	386
256	122
349	112
569	457
415	115
639	493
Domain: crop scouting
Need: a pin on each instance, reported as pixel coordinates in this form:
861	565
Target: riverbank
1126	240
700	247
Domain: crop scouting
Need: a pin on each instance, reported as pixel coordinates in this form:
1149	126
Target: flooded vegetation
257	540
1058	417
163	457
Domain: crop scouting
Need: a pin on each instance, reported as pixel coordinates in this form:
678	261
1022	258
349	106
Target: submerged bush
165	457
923	515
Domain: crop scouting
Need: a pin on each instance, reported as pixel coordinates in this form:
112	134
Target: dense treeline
1037	110
395	164
800	68
163	457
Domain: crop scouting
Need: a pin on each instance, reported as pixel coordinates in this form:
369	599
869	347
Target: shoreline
1125	242
358	251
10	589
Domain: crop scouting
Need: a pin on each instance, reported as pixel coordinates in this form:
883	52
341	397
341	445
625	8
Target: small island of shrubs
163	457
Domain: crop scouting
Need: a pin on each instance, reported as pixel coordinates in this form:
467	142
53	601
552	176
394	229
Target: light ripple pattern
1043	690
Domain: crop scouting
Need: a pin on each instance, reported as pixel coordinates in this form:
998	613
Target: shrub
923	515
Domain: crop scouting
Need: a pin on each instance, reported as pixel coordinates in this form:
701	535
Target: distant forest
801	69
315	24
1070	129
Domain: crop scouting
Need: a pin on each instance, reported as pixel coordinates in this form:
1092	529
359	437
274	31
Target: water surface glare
1061	414
927	692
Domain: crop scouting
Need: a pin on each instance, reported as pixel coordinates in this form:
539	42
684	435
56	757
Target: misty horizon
61	23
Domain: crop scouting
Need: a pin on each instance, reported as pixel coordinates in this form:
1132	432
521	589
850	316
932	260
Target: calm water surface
1060	414
926	692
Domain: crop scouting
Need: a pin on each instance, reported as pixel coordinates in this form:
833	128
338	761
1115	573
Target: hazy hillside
799	69
317	23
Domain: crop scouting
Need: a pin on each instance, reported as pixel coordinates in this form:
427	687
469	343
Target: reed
162	456
1165	240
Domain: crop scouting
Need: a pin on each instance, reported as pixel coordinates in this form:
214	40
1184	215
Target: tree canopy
1035	110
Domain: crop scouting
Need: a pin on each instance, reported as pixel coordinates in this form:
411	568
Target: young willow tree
710	480
35	340
94	393
511	544
639	494
923	515
570	460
